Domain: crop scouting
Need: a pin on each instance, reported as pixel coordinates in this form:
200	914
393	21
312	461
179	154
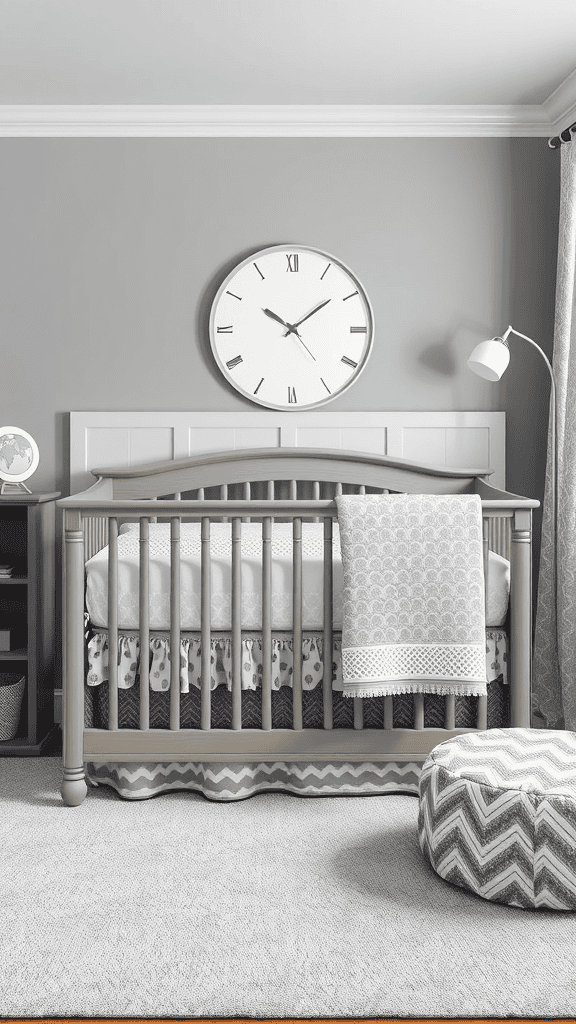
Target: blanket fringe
466	690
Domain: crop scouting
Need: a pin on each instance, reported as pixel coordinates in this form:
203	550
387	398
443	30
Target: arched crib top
293	465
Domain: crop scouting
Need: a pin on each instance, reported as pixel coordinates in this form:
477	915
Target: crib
258	489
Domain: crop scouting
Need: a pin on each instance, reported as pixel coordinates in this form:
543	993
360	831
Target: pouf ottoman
497	815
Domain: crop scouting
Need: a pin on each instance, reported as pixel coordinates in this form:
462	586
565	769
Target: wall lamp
489	360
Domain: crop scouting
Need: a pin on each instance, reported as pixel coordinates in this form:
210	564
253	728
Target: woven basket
11	693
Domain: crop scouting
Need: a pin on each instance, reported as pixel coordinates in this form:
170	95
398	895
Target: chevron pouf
497	815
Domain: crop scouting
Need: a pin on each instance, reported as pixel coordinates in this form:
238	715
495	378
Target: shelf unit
27	607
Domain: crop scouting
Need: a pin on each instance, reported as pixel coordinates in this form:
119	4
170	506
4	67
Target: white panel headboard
462	440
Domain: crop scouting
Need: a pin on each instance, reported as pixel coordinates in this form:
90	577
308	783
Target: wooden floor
300	1020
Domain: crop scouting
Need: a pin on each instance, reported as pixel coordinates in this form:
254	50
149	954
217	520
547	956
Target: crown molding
267	121
560	106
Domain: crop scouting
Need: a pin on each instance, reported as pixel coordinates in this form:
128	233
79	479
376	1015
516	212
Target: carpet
276	906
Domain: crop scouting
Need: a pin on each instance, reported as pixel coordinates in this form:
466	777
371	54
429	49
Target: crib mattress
251	604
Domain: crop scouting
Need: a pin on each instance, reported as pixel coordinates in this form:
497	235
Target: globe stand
14	488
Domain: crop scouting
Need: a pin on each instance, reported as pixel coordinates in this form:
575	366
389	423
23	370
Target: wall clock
291	327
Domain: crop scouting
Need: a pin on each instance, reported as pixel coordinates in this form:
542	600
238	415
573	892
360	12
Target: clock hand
315	310
302	342
291	327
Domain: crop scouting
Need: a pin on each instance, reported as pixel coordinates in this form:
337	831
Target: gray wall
112	250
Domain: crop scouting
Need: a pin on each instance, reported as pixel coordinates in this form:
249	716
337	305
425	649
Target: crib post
521	618
74	787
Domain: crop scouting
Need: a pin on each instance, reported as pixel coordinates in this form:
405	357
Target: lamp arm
553	411
512	330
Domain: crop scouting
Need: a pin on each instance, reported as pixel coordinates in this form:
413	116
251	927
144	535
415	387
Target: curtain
554	664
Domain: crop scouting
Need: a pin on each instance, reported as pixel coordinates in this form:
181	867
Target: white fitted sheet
220	548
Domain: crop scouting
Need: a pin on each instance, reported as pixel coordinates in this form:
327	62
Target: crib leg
74	787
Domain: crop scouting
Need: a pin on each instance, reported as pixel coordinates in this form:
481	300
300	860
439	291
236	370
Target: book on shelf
6	570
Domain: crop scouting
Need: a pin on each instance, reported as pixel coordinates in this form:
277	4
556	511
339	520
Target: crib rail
507	529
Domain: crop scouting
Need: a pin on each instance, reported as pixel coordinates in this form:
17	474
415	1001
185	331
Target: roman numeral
258	388
224	330
352	294
325	385
358	330
239	297
292	263
349	362
292	396
326	271
233	362
259	271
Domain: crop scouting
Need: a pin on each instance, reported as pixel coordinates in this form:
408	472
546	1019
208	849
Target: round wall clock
291	327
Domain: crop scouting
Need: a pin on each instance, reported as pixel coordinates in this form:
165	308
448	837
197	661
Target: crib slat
327	646
270	490
236	623
485	530
297	624
175	623
337	489
113	624
316	496
293	490
205	609
144	623
418	710
482	713
247	494
224	497
267	623
450	711
200	494
358	712
388	713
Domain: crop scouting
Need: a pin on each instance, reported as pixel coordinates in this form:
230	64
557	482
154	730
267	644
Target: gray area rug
275	906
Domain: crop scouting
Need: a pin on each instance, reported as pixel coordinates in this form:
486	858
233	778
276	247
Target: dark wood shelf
27	603
20	747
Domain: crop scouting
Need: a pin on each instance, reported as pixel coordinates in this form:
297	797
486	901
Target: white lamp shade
489	359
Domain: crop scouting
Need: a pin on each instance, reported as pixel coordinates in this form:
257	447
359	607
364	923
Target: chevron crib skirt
229	781
497	815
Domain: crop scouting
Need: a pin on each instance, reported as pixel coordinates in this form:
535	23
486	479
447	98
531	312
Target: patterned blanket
413	595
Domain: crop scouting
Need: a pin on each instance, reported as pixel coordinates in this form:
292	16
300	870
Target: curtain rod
564	136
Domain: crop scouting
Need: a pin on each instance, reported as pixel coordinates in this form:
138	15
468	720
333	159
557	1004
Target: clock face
291	327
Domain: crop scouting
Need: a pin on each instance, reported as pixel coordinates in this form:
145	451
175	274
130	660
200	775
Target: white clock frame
228	359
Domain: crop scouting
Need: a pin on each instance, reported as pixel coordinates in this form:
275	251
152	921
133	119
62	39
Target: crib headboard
127	440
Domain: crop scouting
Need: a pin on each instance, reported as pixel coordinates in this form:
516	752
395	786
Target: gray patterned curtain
554	677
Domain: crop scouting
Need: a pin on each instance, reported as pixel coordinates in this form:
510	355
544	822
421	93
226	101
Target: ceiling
517	54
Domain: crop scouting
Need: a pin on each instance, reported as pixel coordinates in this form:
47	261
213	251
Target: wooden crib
261	485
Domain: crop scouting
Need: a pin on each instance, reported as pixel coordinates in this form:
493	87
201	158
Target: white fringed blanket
413	594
